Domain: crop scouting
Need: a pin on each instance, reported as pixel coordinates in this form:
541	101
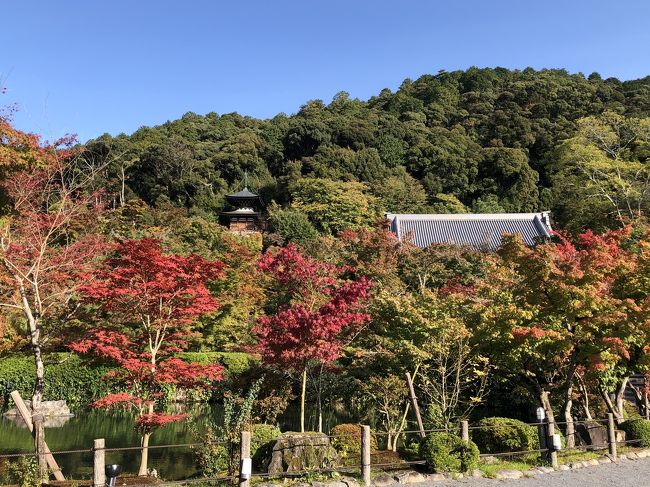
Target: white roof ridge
467	216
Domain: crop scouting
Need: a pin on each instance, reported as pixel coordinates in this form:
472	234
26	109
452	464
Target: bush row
79	382
68	377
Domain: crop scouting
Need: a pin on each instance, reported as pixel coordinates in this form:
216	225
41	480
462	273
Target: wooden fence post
464	431
245	460
416	408
365	455
99	463
551	448
26	414
611	436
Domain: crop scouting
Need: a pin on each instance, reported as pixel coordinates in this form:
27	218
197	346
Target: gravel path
627	473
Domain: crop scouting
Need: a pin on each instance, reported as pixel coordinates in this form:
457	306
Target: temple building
480	231
246	218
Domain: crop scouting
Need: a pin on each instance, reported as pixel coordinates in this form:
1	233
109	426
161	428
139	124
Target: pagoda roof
244	193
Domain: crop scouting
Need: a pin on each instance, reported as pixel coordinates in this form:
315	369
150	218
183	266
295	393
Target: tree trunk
585	397
568	417
568	406
620	397
123	188
38	432
320	403
616	408
144	459
303	393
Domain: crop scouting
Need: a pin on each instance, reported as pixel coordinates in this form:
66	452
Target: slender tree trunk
144	459
303	393
38	432
585	397
620	396
320	402
568	417
568	406
616	408
123	188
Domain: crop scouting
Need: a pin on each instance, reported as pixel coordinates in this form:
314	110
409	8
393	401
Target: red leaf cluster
143	285
149	422
317	308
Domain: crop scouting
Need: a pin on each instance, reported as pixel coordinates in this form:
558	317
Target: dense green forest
480	140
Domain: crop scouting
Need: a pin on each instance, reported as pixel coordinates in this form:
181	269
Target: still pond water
117	429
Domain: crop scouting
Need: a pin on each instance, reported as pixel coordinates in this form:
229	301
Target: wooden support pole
416	408
551	449
99	463
464	431
26	414
245	460
365	455
611	436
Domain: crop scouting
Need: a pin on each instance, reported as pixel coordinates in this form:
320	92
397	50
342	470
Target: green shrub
445	452
637	429
212	455
234	362
24	472
67	376
263	438
346	440
501	435
292	225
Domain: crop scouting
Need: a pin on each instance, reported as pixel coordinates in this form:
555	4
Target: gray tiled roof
244	193
481	231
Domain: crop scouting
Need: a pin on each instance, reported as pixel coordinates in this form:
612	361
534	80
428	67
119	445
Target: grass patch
577	456
490	469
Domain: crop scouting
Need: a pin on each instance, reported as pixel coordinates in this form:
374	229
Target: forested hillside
481	140
112	250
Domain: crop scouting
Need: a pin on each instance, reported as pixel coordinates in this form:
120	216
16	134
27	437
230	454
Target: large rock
49	408
591	435
296	452
55	413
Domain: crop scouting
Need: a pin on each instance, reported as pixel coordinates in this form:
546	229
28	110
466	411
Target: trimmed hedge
446	452
70	377
502	435
67	377
234	362
637	429
346	440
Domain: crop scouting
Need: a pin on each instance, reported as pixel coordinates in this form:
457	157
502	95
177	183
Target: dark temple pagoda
246	217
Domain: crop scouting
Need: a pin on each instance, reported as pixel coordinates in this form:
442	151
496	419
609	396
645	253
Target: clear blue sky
90	67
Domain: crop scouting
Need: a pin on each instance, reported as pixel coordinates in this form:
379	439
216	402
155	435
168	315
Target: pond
116	427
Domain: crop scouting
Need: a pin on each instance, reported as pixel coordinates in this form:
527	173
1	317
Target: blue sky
91	67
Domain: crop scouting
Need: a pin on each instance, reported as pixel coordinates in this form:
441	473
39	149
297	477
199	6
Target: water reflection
116	427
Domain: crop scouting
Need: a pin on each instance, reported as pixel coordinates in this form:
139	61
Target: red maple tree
152	298
311	309
48	241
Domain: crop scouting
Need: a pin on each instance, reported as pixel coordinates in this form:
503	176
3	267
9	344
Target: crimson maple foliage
153	298
313	307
